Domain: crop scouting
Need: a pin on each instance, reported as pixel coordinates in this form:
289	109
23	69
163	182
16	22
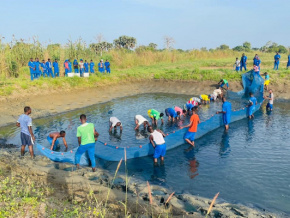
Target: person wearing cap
107	65
114	122
101	66
92	65
31	66
49	68
81	64
86	66
56	68
66	67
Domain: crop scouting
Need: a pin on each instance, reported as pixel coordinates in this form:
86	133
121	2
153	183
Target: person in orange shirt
194	121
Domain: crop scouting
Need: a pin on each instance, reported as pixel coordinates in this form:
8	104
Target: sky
192	23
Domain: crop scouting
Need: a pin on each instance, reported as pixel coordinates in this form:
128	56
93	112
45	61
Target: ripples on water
249	163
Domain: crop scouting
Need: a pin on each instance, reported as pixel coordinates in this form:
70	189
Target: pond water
249	164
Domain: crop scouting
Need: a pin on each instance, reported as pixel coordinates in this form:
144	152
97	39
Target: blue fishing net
252	82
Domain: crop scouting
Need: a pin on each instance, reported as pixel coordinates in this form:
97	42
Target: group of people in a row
51	69
242	63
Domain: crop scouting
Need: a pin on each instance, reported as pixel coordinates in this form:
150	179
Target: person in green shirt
155	115
223	82
87	136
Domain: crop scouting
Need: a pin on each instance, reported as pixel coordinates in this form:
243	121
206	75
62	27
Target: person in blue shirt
31	66
86	66
288	63
243	62
101	66
252	105
255	59
277	61
258	62
92	65
49	68
76	66
69	66
107	65
37	68
66	67
56	68
44	68
172	114
226	111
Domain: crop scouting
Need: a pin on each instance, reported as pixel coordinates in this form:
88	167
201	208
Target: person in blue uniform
226	111
276	61
76	66
92	65
69	66
49	68
37	68
243	62
172	114
288	63
108	66
56	68
252	105
255	59
101	66
86	66
44	68
31	66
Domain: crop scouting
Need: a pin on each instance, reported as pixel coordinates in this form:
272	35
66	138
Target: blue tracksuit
49	69
69	66
92	65
108	68
31	66
101	67
37	69
277	61
56	69
86	66
227	107
76	66
243	63
44	69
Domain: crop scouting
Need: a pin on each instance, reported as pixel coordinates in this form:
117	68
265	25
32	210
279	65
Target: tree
168	42
247	46
152	45
100	38
100	47
203	49
224	47
126	42
239	48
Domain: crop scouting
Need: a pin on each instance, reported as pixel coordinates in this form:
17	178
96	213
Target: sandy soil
71	184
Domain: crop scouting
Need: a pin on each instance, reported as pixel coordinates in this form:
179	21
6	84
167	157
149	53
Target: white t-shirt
158	138
271	96
237	63
140	119
217	92
114	121
81	65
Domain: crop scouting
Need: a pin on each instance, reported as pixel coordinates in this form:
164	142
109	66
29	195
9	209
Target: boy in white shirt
237	64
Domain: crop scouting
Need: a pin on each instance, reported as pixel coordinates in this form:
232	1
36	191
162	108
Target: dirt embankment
51	102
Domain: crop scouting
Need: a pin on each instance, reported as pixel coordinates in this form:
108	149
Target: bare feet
94	169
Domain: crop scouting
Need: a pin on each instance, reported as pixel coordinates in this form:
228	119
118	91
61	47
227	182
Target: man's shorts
56	143
222	85
226	119
266	83
167	113
251	110
189	135
237	68
269	106
160	151
26	139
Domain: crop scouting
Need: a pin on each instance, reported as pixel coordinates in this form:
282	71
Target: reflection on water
250	161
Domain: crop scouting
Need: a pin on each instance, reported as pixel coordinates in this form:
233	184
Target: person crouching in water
155	116
54	143
157	140
172	114
139	120
204	99
114	122
194	121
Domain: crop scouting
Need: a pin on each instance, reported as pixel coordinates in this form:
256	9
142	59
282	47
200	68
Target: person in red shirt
194	121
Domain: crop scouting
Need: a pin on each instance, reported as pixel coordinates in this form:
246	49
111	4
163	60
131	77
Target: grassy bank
186	70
